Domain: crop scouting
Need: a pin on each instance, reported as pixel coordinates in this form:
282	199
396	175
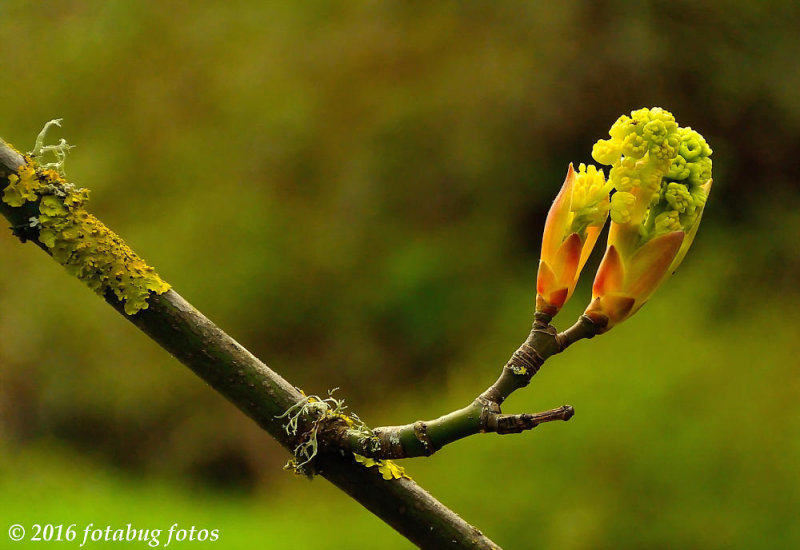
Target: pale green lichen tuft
59	150
317	412
76	239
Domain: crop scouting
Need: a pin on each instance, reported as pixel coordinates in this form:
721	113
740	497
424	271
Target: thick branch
264	395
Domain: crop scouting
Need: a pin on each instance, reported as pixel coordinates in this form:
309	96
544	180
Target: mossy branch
261	393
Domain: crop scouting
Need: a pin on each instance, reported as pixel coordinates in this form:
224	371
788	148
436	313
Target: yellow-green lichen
78	240
388	469
22	187
519	370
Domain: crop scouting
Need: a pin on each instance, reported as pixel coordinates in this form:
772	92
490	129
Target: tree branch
264	396
483	415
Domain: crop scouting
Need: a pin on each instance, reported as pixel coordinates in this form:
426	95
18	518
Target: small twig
516	423
483	415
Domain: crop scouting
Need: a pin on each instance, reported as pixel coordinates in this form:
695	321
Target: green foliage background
356	192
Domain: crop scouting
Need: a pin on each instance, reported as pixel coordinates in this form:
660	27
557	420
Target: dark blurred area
356	192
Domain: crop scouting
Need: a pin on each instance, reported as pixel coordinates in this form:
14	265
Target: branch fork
482	415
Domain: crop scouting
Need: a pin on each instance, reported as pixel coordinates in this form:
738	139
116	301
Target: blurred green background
356	192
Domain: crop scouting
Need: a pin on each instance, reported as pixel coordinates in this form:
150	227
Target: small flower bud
621	204
571	230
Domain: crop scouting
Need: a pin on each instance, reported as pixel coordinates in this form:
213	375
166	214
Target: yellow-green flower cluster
589	205
79	241
658	170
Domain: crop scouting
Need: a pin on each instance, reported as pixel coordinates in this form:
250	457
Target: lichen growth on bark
321	411
387	468
76	239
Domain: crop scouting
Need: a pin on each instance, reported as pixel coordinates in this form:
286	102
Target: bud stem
483	415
